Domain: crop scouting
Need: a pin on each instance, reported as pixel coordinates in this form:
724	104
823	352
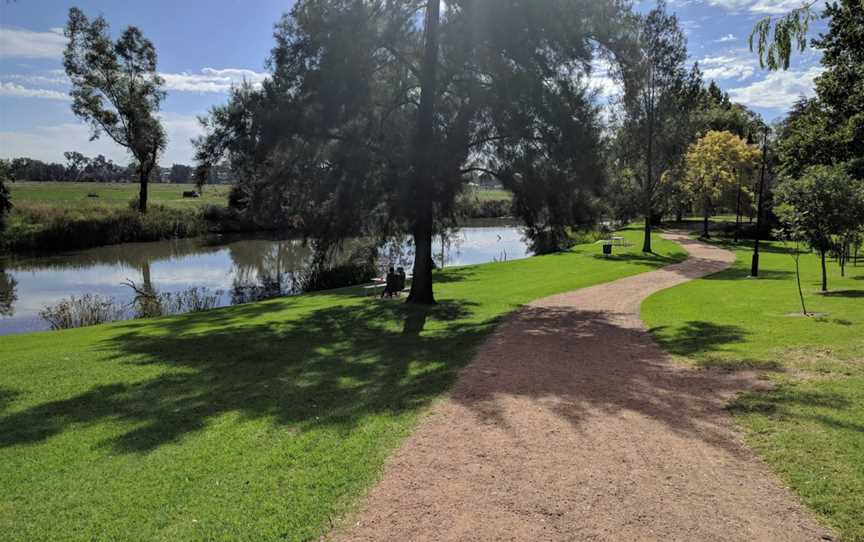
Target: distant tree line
80	168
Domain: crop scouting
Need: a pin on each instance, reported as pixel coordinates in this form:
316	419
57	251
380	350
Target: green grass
810	427
493	195
75	195
257	422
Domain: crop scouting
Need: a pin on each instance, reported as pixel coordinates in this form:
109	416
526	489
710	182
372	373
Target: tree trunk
144	177
824	272
646	243
421	285
798	277
738	211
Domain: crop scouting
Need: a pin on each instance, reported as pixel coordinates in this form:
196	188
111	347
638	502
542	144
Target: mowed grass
810	428
257	422
74	195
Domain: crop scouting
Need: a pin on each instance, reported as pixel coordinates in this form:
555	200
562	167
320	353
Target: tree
713	166
180	173
339	142
5	196
117	90
76	163
660	96
823	204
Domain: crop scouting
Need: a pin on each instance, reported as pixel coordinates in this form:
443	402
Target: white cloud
778	90
211	80
20	43
48	143
724	39
728	67
50	77
765	7
14	89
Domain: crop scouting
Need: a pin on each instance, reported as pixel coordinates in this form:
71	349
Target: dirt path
572	424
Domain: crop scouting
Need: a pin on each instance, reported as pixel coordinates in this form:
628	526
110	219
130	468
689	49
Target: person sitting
391	284
401	284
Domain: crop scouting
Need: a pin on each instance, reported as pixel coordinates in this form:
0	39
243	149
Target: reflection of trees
265	269
129	255
8	297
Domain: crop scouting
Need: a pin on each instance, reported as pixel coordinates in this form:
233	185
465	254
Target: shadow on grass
782	404
332	367
843	293
696	337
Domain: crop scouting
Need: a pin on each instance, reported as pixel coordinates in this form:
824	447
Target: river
217	263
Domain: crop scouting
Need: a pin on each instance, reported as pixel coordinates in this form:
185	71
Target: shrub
45	227
318	278
87	310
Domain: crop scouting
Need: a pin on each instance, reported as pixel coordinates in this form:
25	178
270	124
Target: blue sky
205	47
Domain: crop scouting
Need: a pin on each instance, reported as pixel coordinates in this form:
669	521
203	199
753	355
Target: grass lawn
257	422
810	428
73	195
493	195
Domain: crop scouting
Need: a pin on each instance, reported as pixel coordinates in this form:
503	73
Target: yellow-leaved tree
713	166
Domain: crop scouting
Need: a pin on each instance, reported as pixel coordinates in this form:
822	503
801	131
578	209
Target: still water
224	264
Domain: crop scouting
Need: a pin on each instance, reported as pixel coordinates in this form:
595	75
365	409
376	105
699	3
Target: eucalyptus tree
661	95
379	111
117	90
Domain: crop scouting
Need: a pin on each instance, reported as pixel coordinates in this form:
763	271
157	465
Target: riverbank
52	216
268	418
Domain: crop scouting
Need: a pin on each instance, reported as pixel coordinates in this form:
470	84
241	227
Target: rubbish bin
607	249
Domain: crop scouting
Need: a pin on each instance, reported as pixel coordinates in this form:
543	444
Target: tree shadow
333	367
582	364
697	337
843	293
781	405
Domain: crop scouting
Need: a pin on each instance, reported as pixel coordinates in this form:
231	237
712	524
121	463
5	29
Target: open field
810	428
72	195
267	418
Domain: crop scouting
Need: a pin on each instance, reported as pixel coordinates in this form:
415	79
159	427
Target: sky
206	46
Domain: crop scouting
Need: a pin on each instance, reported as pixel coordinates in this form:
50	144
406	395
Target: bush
49	228
319	278
87	310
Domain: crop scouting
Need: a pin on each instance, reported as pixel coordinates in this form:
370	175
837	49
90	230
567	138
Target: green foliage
661	97
50	228
714	166
5	196
810	426
329	146
269	418
821	205
116	89
789	33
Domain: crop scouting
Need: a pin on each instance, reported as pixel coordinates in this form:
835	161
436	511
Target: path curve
572	424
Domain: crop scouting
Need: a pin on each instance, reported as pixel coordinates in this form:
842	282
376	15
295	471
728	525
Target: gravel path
572	424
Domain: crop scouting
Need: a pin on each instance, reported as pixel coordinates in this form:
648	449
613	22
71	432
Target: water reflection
242	268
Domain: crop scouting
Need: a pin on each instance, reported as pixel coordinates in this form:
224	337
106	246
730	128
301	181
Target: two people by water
395	282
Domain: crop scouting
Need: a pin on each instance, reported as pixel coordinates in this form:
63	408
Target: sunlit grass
811	427
258	422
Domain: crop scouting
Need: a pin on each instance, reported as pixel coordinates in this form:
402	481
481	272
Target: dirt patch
572	424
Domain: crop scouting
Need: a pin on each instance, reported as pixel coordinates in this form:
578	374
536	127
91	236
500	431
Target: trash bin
607	249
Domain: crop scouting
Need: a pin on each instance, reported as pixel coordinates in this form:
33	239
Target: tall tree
713	166
339	142
76	163
660	96
117	90
424	177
